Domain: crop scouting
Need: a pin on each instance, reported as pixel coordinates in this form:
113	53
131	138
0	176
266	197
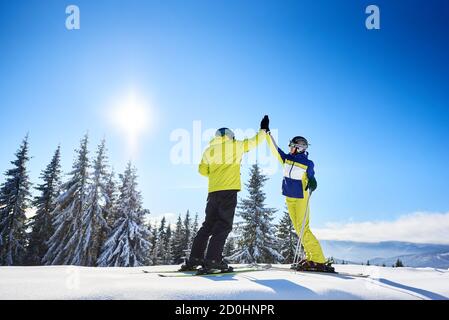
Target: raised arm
250	144
277	152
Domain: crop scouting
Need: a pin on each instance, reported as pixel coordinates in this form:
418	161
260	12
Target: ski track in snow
69	282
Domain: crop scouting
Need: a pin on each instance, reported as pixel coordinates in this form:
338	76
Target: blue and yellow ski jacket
298	169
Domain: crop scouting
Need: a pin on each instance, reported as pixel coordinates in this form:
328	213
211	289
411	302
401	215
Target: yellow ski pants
297	210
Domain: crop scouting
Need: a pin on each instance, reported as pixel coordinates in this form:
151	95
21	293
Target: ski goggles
300	146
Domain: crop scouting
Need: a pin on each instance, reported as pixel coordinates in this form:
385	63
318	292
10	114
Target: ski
250	268
191	272
347	274
212	273
169	271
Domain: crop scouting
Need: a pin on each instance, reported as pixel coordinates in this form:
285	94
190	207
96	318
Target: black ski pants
220	210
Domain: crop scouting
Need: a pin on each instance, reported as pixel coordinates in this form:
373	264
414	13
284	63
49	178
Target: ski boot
191	264
326	267
215	266
306	265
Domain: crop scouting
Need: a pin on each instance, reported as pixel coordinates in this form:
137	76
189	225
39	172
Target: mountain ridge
387	252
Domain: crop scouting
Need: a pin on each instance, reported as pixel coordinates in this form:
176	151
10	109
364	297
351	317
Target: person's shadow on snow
283	289
425	293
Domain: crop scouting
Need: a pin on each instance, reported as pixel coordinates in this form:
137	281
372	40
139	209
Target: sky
374	104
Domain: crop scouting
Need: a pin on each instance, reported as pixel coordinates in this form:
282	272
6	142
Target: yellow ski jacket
221	161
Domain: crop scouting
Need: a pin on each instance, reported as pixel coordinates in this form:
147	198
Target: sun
131	117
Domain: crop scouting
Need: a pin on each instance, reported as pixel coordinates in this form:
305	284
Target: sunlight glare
131	118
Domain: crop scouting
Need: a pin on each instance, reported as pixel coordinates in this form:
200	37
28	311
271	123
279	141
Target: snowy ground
66	282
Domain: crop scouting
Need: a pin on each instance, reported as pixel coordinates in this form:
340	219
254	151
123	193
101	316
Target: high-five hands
264	124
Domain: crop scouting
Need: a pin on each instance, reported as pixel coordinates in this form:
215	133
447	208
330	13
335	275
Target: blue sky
374	104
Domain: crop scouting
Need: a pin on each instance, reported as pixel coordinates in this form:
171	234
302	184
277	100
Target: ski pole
301	247
298	246
296	252
299	250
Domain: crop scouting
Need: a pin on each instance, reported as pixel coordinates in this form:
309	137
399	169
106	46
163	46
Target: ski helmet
225	132
299	142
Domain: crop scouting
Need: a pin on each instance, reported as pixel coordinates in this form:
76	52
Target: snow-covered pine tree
161	245
195	225
154	246
14	201
187	229
45	202
149	227
168	257
287	238
178	245
257	242
66	217
110	206
229	248
127	244
92	218
194	230
163	253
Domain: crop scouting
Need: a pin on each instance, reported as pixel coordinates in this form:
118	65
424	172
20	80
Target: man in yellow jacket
221	165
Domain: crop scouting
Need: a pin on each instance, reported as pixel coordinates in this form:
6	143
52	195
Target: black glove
311	185
265	123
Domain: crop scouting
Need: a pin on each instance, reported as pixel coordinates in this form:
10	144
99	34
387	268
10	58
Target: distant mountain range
387	252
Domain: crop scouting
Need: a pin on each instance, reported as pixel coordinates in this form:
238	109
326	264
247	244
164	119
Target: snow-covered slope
66	282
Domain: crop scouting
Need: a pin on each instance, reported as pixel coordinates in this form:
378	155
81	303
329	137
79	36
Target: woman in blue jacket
298	182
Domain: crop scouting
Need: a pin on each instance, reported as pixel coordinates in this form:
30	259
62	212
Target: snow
70	282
